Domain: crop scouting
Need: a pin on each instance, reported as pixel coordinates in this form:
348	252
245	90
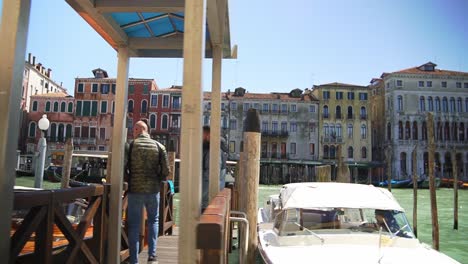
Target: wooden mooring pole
432	189
248	193
415	192
67	163
455	189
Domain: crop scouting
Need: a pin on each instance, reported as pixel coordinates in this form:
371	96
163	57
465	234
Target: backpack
129	161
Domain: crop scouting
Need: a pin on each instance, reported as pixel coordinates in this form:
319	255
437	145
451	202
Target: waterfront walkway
167	250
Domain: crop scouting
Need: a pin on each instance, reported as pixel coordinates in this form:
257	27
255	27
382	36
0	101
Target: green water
452	242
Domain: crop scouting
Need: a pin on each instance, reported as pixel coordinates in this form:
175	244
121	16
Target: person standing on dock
206	168
146	167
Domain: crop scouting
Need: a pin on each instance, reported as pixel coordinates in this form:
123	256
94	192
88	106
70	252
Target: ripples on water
451	242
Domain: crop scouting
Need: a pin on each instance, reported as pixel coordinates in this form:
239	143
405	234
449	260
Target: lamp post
43	125
355	173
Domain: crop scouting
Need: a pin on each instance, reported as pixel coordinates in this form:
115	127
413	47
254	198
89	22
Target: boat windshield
296	221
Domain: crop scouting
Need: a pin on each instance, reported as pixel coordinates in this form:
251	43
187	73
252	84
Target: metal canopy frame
107	18
104	17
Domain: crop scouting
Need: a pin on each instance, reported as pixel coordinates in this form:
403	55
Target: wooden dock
167	249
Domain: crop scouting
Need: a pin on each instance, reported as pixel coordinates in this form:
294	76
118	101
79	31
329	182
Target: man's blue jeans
136	201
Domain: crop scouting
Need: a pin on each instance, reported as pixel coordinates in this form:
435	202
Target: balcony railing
89	141
174	130
275	133
330	139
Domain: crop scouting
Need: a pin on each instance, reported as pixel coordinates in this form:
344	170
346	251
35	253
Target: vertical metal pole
252	140
215	131
415	192
119	136
191	130
39	173
13	34
455	189
432	191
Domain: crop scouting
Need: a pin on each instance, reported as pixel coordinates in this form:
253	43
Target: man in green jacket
147	166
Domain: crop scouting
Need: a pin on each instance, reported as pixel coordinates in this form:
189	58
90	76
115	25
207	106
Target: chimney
34	60
49	72
29	58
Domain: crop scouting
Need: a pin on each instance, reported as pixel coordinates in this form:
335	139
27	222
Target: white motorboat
339	223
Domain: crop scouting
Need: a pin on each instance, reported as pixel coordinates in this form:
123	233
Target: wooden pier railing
42	232
213	232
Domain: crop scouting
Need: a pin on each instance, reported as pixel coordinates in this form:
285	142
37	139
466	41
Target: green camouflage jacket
145	165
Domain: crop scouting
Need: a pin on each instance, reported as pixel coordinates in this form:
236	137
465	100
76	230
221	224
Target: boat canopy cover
336	195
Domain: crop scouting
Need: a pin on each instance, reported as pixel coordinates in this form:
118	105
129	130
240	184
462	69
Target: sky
282	45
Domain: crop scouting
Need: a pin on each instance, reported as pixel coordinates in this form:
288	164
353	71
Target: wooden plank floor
167	249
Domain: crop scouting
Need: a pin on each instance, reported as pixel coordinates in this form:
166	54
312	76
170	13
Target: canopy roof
153	28
336	195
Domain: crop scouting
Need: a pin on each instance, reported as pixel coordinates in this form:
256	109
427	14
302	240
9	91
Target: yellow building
344	122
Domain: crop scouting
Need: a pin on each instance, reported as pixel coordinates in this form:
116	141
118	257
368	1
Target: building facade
59	108
289	130
410	94
95	105
344	125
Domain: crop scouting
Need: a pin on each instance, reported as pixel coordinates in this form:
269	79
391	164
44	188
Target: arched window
364	152
422	103
403	163
389	131
53	131
430	104
400	130
444	104
452	105
325	111
439	131
152	121
144	106
350	152
338	131
407	130
68	131
350	112
56	106
130	106
415	130
461	132
164	121
47	106
459	105
350	131
363	131
32	130
400	103
338	112
63	107
325	152
326	130
447	131
424	131
34	106
70	107
363	113
61	132
437	104
454	131
332	152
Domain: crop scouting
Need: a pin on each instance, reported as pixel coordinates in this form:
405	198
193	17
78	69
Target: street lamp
43	125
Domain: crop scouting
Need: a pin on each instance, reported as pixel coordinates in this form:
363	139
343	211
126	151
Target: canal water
452	242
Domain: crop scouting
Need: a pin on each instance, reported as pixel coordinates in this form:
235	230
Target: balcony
274	155
275	133
84	141
331	139
363	116
175	130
